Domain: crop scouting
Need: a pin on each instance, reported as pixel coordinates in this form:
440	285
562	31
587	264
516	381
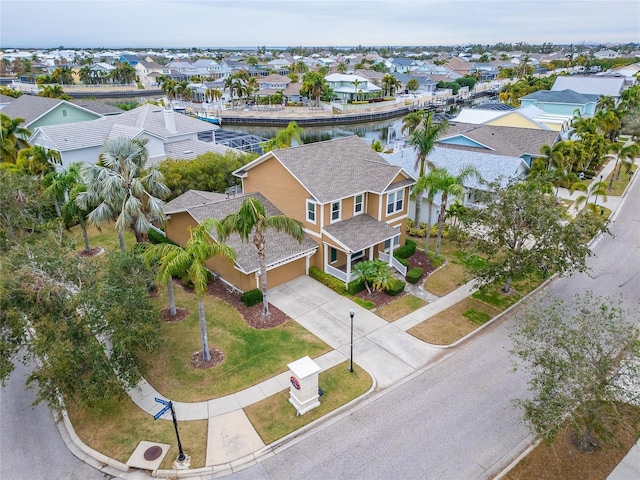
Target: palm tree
411	121
342	67
115	185
599	189
390	83
355	84
38	161
451	185
53	91
71	210
252	221
175	260
212	94
427	184
626	154
284	138
313	85
423	140
57	185
12	138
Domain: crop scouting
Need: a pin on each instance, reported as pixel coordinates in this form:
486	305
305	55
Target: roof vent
187	151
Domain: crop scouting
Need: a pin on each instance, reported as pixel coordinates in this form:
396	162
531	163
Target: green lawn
106	237
275	417
400	307
251	355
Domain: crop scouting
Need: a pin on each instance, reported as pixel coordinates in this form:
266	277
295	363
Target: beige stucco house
353	205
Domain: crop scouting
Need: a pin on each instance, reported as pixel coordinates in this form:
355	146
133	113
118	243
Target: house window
311	212
357	205
357	255
395	201
334	255
396	242
335	212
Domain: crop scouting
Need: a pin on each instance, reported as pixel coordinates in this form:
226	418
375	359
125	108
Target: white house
346	87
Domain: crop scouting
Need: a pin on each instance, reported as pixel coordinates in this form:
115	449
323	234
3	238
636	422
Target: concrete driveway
385	351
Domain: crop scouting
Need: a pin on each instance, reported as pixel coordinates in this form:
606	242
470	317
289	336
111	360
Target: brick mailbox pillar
303	392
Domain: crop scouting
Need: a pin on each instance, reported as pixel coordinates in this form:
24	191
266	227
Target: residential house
352	203
148	73
348	87
403	65
590	84
524	143
167	133
40	111
606	54
491	167
529	116
129	58
562	102
426	86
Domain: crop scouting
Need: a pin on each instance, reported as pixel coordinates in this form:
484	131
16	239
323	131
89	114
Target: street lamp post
351	314
598	189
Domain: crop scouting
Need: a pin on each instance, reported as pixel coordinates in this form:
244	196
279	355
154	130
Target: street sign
162	412
163	402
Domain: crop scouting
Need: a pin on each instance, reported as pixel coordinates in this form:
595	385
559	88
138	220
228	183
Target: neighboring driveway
382	349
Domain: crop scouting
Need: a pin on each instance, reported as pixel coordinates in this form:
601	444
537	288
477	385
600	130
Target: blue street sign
163	402
161	412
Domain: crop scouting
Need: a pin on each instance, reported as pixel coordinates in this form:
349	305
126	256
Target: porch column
324	259
306	264
371	253
258	280
348	268
391	251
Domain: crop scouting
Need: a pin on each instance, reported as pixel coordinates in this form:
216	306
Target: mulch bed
217	357
252	315
380	299
181	314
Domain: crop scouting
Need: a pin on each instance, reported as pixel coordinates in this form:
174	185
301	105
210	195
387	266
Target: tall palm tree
58	183
119	190
411	121
427	184
423	139
251	223
626	154
355	84
284	138
314	85
175	260
71	210
599	189
451	185
38	161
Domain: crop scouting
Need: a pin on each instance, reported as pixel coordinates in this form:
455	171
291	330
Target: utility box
303	392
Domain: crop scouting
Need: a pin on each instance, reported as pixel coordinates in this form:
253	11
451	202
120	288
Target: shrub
252	297
395	287
355	286
336	284
407	250
157	237
403	261
415	274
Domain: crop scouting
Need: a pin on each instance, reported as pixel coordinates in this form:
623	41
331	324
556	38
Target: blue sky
226	23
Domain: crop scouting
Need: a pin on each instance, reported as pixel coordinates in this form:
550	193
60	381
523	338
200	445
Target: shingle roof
509	141
360	232
491	166
337	168
148	118
562	96
30	107
279	246
98	107
192	198
190	148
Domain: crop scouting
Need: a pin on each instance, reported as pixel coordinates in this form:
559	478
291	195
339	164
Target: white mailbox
303	392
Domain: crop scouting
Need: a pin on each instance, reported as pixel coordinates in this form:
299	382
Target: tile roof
336	168
509	141
279	246
360	232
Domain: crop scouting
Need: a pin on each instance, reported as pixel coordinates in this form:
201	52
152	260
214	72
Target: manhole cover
152	453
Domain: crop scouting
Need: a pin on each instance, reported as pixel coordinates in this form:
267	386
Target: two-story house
353	205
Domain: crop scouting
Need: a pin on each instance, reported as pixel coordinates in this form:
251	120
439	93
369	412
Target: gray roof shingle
562	96
279	246
336	169
499	140
192	198
360	232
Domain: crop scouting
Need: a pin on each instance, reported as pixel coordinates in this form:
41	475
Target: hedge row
407	250
336	284
252	297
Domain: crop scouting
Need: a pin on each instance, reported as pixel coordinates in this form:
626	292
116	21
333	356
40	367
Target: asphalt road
455	420
451	421
30	445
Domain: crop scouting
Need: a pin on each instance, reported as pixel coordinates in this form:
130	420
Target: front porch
356	239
